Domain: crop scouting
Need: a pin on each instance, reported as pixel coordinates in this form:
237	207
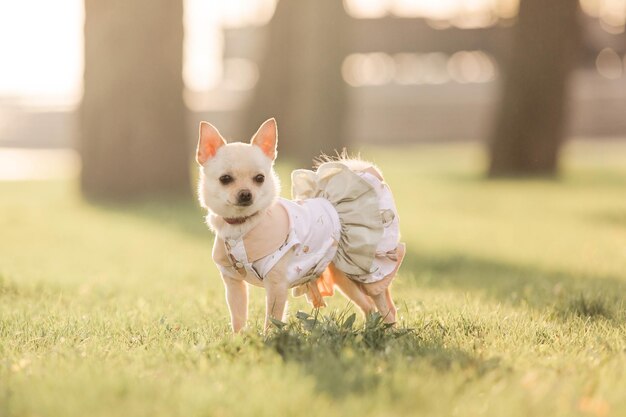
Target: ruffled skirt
369	250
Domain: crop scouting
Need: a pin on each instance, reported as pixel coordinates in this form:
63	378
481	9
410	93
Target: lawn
512	303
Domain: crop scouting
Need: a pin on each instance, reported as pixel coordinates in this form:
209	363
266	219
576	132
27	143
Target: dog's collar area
239	220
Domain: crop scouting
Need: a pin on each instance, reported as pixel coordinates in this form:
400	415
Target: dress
338	214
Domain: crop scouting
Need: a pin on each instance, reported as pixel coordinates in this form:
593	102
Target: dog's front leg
237	298
276	300
277	289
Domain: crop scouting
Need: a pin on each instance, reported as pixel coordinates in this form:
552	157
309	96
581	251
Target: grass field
512	301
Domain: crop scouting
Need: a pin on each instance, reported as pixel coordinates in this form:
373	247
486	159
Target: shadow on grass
612	218
12	289
346	359
564	178
182	215
7	288
564	293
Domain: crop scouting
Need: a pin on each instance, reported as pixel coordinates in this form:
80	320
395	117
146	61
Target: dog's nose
244	197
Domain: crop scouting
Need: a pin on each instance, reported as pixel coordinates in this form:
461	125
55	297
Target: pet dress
339	215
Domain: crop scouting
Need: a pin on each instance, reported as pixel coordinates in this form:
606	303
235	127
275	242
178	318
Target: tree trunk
300	78
132	119
532	117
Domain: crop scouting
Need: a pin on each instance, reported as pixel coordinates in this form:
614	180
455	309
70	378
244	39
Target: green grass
512	303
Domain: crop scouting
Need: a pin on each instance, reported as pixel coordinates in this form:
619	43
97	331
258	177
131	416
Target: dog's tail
353	162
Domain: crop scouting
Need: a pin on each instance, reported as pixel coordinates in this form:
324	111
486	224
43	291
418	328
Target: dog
341	231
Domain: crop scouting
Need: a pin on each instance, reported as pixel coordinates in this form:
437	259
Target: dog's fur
243	163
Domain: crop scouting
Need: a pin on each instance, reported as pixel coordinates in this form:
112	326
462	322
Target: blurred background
121	86
500	126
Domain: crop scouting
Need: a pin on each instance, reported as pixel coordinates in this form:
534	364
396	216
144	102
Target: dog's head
237	179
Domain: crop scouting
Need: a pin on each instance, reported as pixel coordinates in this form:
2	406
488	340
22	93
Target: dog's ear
266	138
209	142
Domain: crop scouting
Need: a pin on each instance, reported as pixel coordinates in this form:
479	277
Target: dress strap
266	242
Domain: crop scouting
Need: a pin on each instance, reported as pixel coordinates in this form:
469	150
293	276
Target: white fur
243	162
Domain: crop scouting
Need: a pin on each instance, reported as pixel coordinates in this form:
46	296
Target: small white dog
341	229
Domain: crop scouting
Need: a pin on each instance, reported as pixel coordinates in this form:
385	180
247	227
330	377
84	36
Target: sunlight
35	164
42	41
42	48
468	13
609	64
202	68
412	68
42	45
201	34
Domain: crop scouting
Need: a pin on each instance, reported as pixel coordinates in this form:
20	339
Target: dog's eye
259	179
226	179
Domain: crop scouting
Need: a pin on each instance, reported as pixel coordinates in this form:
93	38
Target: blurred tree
300	78
531	124
132	119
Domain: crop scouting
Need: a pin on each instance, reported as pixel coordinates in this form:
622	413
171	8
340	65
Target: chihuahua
340	231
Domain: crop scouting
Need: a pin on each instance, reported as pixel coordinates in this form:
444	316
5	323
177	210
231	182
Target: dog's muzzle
244	198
